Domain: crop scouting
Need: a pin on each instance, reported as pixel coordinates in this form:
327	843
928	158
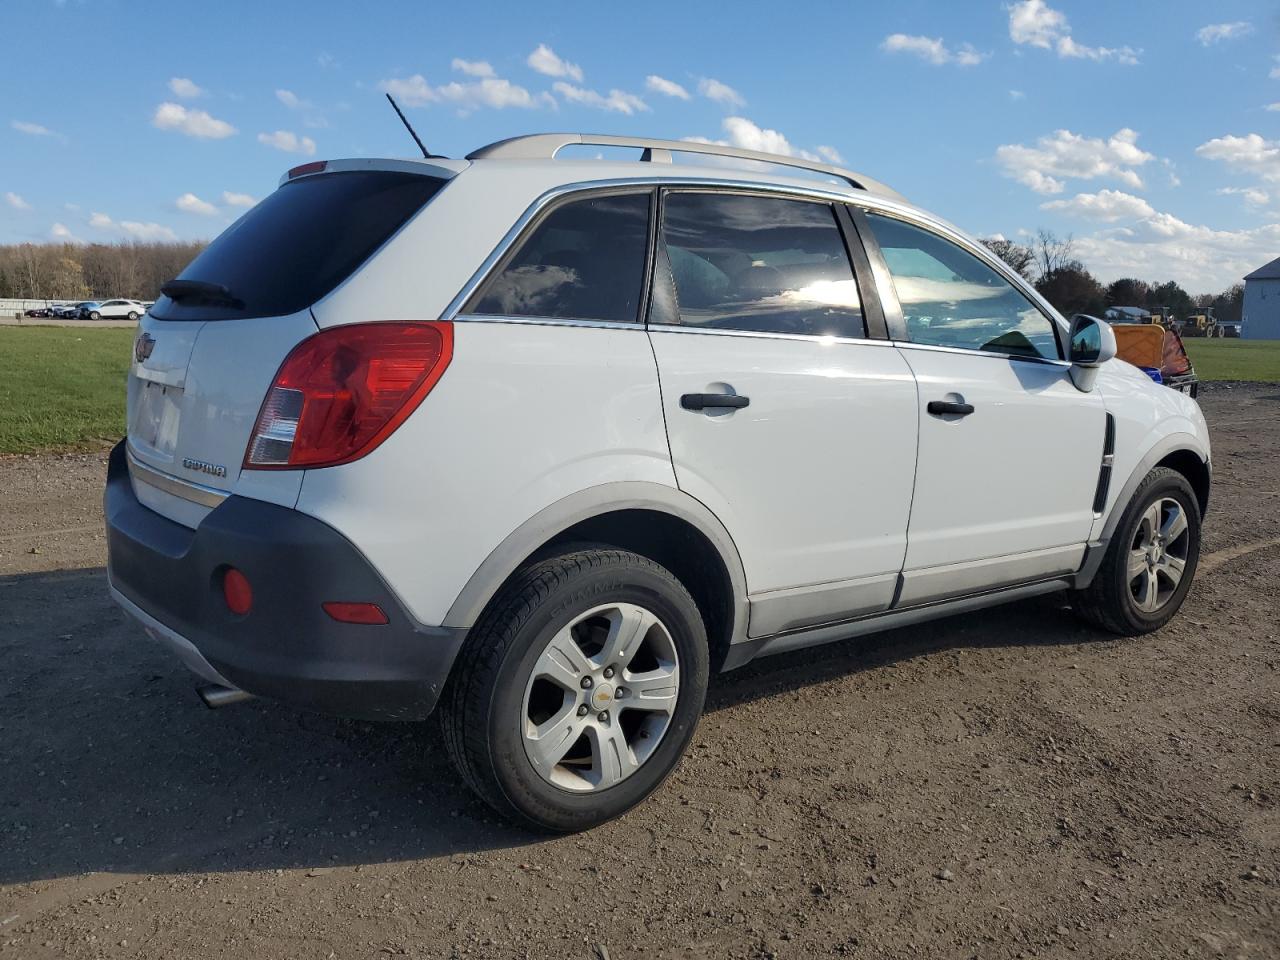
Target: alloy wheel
1158	554
600	697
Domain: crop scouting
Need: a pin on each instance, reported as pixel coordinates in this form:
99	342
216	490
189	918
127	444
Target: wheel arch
1179	451
656	521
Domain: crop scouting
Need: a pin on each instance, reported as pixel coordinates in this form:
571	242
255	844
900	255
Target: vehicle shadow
112	765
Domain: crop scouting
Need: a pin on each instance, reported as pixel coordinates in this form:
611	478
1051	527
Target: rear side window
301	242
761	264
584	261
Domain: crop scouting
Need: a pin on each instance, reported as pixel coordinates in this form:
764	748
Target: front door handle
941	407
701	401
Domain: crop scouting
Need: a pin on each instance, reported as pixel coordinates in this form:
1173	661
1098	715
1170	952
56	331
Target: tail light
343	391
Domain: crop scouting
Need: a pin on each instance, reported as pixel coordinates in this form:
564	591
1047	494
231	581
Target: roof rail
544	146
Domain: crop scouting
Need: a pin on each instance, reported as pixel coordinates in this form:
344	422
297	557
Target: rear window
301	242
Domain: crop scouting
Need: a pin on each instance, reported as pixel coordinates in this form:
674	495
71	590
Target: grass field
1235	359
63	388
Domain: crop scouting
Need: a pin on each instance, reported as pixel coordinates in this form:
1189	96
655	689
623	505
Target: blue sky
1148	130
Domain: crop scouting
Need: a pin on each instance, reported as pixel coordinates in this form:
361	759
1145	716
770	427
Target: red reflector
342	391
237	592
315	166
355	612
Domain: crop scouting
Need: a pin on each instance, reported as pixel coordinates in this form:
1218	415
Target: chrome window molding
551	321
183	489
965	351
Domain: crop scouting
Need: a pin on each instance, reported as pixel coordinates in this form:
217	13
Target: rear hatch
207	352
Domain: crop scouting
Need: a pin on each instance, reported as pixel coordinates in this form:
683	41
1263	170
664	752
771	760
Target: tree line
1047	261
93	271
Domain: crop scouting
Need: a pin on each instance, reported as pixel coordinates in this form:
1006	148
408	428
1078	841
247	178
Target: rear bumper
286	648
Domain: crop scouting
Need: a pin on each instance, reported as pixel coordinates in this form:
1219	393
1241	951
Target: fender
1170	443
583	505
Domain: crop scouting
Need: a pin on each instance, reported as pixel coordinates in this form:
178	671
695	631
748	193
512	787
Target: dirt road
1004	784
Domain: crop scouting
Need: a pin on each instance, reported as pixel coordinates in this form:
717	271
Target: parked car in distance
69	311
541	443
113	310
45	311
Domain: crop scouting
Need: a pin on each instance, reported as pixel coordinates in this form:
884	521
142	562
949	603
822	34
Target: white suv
548	441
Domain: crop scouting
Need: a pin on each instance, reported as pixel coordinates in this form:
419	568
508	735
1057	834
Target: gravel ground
1002	784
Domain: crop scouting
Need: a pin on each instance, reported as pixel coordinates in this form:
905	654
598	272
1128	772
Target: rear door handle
940	407
701	401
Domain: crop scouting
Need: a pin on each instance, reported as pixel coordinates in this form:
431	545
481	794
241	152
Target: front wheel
95	315
1151	559
578	690
133	315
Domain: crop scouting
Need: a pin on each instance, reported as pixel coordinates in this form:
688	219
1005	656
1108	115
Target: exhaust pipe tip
215	695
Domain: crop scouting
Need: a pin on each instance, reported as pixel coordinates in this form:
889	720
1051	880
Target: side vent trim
1104	473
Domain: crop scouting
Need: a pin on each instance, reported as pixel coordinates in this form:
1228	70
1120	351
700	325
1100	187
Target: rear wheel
1150	561
578	690
95	315
133	315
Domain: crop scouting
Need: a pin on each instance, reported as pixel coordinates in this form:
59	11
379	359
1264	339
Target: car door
792	425
112	309
1010	450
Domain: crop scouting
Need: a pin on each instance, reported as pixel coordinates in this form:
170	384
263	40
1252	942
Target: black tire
1108	601
95	315
481	709
133	315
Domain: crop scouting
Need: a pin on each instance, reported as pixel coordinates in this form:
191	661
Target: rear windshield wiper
201	291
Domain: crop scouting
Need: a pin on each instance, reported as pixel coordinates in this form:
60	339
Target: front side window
760	264
584	261
950	298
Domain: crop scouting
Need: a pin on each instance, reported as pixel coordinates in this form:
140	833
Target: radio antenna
399	113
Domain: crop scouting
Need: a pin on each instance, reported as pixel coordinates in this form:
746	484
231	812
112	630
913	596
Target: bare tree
1017	256
1052	253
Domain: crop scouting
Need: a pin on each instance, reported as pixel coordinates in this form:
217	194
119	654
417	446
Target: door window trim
893	307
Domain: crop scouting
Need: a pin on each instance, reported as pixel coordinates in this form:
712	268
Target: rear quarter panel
526	415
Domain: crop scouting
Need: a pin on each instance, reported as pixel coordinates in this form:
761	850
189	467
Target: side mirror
1092	344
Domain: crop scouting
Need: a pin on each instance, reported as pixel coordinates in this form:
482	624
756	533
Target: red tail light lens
365	613
343	391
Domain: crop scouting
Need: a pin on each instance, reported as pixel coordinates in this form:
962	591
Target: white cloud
545	61
1252	195
720	92
1273	107
16	201
32	129
59	231
1275	71
132	228
1034	23
1248	154
185	88
932	49
289	142
1017	95
1063	155
194	123
238	199
147	231
190	203
1201	259
289	99
1215	32
492	92
1105	205
668	88
618	101
829	154
473	68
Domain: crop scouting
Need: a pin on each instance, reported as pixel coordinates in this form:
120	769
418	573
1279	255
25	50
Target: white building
1262	303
